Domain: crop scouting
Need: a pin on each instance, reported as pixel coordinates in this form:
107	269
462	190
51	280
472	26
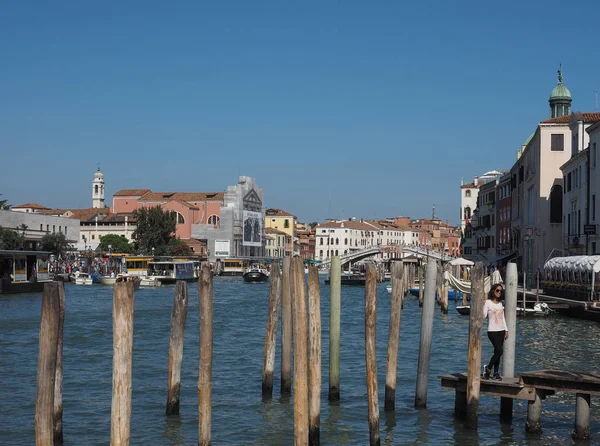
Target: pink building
191	207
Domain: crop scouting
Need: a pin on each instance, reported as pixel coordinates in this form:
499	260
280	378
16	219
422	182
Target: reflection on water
239	416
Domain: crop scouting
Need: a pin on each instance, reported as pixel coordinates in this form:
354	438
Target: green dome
560	92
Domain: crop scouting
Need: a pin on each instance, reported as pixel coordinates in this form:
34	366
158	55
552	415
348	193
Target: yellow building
284	222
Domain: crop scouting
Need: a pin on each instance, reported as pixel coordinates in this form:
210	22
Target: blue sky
339	109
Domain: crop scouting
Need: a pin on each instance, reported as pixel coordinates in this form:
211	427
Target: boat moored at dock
170	271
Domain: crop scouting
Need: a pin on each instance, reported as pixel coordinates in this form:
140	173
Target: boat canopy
573	268
460	261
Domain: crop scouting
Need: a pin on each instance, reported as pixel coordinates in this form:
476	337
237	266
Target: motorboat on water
352	279
83	278
107	280
540	309
149	281
465	310
256	274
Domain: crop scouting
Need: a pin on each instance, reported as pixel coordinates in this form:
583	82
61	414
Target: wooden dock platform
533	387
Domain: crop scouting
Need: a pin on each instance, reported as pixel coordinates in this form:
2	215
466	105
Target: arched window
336	252
214	220
321	244
345	241
96	188
467	193
321	251
337	241
180	219
467	212
556	198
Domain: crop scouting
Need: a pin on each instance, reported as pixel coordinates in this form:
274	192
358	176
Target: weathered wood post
393	337
582	416
444	289
300	353
178	318
314	381
440	297
58	382
46	371
205	297
120	413
421	285
370	353
474	359
286	329
508	357
335	292
426	332
271	331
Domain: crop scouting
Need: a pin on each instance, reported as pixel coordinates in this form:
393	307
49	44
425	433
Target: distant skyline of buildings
545	204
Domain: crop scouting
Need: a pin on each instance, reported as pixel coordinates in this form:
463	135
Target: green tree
177	247
313	224
4	205
57	244
10	239
118	243
155	229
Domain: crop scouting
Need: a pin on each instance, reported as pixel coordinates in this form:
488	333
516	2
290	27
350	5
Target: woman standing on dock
497	329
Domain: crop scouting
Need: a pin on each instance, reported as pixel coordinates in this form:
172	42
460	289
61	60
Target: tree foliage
4	205
178	247
11	239
155	229
118	243
57	244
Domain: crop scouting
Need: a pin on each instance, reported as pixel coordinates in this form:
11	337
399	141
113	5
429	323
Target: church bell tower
98	190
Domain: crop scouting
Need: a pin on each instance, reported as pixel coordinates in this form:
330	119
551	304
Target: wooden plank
495	388
563	381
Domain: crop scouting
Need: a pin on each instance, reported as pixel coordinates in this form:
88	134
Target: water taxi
256	273
170	271
23	271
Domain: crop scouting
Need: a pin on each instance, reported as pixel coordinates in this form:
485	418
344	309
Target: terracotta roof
131	192
585	117
30	206
274	212
186	204
350	224
183	196
468	186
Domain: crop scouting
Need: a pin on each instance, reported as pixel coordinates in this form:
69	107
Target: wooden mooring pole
178	318
426	333
271	331
120	413
300	353
582	416
46	371
314	376
58	382
335	291
286	329
508	356
421	285
393	337
474	358
205	297
370	353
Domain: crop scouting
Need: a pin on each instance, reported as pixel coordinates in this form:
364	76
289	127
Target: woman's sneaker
487	372
497	376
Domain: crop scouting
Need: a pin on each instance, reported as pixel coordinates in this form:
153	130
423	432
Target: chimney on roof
476	180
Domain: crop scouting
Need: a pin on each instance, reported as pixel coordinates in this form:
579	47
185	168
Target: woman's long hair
491	295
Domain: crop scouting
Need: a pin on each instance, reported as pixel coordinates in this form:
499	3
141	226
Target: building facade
35	225
240	230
